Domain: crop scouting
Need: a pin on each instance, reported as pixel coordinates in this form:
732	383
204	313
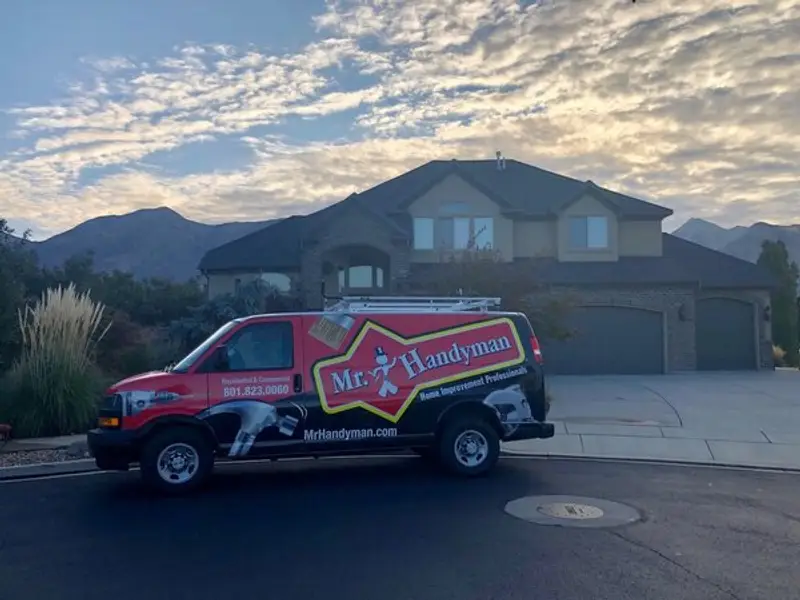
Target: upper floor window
475	233
588	232
453	233
423	233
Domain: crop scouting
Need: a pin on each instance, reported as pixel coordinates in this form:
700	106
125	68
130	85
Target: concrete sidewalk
747	419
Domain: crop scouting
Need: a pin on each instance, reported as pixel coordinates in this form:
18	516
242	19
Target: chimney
501	162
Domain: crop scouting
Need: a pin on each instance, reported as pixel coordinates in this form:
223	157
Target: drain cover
572	511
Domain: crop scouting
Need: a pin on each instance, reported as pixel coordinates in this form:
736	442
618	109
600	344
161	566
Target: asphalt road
391	529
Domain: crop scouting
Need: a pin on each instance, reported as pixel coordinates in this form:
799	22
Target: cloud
692	104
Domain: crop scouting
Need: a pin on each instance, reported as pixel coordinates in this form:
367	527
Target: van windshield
186	363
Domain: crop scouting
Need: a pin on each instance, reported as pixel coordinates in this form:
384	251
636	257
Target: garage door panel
608	340
725	335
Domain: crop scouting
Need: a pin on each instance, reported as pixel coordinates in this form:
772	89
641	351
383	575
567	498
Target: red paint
383	372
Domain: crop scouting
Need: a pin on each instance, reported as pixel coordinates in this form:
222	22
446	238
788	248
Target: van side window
262	347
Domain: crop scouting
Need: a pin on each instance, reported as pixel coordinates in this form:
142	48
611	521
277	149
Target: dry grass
779	356
52	387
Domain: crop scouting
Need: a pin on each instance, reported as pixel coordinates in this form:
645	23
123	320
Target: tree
256	297
775	258
482	272
19	273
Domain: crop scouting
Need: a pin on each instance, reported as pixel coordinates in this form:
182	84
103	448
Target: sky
256	109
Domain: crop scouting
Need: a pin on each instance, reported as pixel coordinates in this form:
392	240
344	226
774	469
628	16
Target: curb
66	467
650	461
87	465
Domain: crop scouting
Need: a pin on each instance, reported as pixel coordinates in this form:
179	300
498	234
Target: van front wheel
176	460
469	446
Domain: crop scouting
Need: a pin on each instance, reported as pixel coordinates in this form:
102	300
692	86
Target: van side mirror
221	362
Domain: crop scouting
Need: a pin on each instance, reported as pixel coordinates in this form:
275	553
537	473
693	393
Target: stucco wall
587	207
453	189
640	238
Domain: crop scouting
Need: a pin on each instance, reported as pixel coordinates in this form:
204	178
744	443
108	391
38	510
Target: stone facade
677	304
348	230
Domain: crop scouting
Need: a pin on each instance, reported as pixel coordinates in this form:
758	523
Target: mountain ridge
149	242
741	241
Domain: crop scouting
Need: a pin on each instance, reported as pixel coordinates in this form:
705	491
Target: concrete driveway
767	400
750	419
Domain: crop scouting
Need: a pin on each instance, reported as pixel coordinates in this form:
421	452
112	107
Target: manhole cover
572	511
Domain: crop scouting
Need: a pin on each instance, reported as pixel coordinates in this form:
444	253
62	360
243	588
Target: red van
447	377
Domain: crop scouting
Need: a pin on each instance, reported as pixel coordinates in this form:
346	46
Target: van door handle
298	383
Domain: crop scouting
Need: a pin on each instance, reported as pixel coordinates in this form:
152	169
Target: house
648	302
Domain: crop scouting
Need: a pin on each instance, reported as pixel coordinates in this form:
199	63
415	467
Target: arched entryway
356	269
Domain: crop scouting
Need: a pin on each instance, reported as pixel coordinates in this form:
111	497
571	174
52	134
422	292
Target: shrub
53	387
779	356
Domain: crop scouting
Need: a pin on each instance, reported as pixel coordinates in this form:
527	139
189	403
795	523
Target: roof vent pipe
501	161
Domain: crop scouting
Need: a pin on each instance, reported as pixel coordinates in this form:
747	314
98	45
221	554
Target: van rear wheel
469	446
176	460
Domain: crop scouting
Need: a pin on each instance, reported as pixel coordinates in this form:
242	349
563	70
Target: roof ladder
422	304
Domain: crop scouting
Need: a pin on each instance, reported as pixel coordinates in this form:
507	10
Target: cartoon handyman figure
387	387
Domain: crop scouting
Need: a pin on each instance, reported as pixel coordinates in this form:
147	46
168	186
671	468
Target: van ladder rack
389	304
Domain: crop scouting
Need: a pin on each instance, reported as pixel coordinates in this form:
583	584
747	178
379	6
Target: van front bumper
532	431
113	449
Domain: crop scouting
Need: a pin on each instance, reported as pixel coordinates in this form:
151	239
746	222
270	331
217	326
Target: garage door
726	339
608	340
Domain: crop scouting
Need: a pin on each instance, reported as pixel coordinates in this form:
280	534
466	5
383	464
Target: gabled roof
272	247
521	190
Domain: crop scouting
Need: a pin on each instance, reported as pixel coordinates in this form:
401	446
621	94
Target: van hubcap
178	463
472	448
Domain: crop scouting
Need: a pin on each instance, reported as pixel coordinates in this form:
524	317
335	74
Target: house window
361	276
588	232
423	234
483	232
461	233
280	281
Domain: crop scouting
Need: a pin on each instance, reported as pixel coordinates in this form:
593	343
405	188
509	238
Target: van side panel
386	379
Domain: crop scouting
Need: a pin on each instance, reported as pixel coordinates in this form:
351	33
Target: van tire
190	454
469	446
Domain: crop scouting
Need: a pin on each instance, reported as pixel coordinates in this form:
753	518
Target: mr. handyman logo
383	372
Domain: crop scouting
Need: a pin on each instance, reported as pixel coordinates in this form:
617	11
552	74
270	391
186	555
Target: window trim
586	247
208	367
343	277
